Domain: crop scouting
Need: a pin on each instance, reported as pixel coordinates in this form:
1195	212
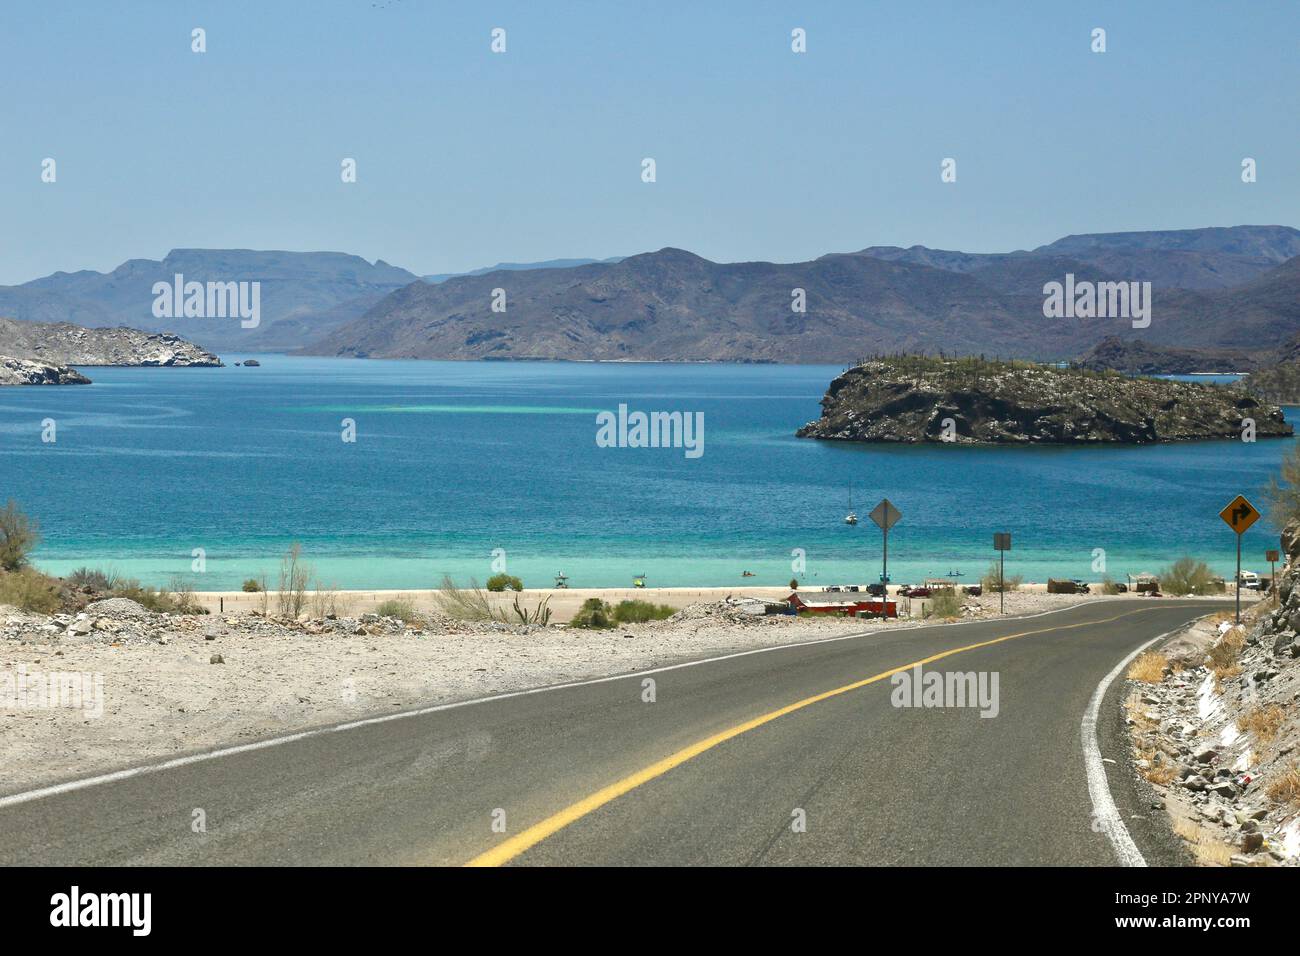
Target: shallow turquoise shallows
453	460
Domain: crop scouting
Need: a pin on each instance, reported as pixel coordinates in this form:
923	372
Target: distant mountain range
1223	288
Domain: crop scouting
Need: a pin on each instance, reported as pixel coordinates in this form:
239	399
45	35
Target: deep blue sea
453	460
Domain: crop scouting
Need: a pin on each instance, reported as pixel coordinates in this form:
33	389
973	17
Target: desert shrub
594	614
1011	582
504	582
94	579
1284	495
18	535
463	604
1110	586
182	597
29	590
794	584
944	603
1187	576
402	610
1286	788
1224	658
638	612
291	596
1264	722
1149	668
252	586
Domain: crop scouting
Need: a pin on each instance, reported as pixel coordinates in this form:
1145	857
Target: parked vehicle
919	592
974	590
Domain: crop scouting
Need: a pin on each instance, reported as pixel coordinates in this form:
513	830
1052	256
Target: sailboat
852	516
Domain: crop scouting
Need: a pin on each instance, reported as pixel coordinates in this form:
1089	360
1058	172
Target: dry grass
1264	722
1224	657
1286	788
1162	770
1207	846
1149	668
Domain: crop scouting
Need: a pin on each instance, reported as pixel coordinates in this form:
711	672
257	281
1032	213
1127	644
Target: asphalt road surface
788	756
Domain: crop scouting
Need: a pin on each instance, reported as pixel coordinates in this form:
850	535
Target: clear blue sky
466	158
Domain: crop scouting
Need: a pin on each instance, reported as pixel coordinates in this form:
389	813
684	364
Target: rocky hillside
1215	730
907	399
1139	357
16	371
62	343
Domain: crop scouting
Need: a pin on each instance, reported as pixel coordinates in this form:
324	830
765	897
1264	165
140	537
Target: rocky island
910	398
16	371
62	343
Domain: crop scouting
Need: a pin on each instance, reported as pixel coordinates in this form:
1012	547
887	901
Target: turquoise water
453	460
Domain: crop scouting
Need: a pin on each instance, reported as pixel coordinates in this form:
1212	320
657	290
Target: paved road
711	772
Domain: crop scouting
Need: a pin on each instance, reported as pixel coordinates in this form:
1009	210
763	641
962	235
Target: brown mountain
672	305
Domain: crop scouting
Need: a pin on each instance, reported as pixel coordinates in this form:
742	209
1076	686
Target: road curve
717	769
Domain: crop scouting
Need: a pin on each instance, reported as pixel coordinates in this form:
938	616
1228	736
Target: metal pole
1002	587
884	568
1238	578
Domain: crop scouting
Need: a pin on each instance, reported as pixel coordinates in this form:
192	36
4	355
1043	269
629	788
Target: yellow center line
508	849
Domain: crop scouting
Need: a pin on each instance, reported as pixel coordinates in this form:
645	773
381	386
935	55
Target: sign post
1271	557
1239	515
1002	544
885	515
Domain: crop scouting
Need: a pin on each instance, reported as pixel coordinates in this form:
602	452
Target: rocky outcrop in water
16	371
910	399
62	343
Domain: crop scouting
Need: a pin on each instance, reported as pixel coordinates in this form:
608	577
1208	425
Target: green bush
402	610
504	582
794	584
18	535
1188	576
594	614
252	586
638	612
29	590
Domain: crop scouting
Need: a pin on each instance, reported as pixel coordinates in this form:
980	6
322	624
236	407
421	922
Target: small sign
1272	557
1002	541
1239	515
885	515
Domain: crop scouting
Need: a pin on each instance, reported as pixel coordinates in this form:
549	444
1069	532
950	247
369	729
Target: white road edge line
87	782
1104	812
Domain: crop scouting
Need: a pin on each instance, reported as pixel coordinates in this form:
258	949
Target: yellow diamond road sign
1239	515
